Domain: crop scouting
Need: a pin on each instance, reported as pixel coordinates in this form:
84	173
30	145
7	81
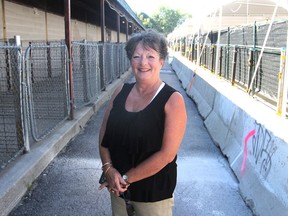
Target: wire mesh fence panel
229	62
223	62
93	71
95	65
236	57
266	78
86	73
109	67
242	36
210	57
204	55
47	80
125	59
11	129
35	100
241	68
102	65
277	36
121	59
115	57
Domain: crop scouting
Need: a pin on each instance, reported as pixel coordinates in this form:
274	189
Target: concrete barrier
202	96
248	132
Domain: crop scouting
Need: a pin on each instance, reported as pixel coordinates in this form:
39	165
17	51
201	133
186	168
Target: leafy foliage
164	21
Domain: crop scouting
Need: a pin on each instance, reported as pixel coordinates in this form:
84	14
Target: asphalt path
206	185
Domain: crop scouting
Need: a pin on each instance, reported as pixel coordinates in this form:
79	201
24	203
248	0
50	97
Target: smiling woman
141	133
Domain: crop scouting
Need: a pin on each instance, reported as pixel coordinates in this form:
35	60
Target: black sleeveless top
132	137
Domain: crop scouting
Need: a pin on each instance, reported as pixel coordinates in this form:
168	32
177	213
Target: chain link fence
46	78
34	87
114	67
95	65
86	72
11	127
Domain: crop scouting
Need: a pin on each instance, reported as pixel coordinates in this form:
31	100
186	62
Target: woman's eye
135	57
151	57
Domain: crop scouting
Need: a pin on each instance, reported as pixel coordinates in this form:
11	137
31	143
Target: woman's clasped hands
114	182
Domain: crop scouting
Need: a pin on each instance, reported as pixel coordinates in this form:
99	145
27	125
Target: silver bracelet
105	164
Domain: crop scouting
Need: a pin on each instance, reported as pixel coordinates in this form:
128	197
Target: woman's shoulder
169	89
174	94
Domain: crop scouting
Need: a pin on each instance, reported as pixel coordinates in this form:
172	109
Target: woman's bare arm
114	180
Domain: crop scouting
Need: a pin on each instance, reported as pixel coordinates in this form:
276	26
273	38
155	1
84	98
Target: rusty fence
34	87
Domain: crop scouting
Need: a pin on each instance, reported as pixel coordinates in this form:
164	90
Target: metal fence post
227	57
23	98
84	69
281	79
250	66
193	50
212	58
220	61
205	57
68	38
234	65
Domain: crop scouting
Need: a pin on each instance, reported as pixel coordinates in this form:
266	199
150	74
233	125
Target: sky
151	6
188	6
195	7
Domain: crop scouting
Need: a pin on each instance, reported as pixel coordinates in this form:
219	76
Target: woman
141	133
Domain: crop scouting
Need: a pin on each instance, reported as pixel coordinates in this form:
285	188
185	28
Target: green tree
147	21
165	20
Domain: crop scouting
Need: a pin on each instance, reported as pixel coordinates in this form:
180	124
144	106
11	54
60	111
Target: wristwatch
125	177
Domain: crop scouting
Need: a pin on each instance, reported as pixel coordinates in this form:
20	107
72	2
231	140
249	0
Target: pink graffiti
192	80
249	135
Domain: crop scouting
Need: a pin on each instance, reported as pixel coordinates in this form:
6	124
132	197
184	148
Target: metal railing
238	54
34	87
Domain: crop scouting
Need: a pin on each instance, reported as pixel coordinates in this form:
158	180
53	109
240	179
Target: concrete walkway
69	185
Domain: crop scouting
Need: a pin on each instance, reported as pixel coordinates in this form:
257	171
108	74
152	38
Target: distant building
236	13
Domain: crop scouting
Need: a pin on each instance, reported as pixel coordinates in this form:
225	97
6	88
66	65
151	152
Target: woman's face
146	63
